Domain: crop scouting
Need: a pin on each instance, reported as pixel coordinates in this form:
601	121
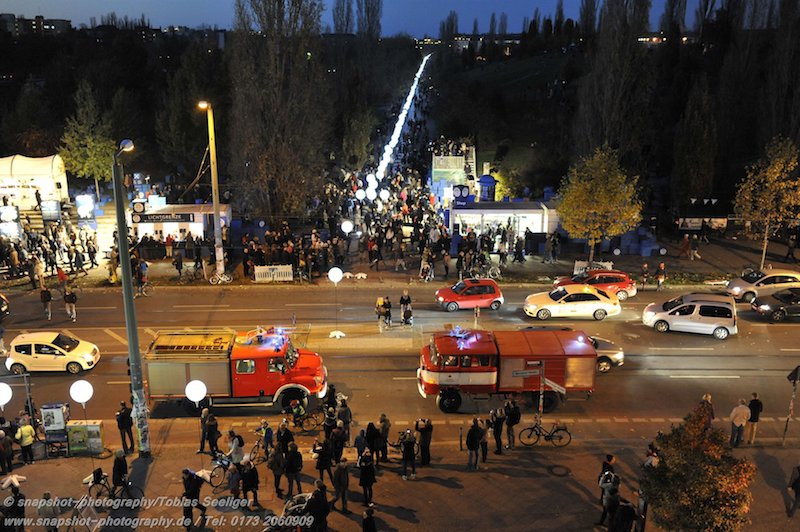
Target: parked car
702	313
5	309
609	354
50	351
573	301
470	293
762	283
780	305
610	281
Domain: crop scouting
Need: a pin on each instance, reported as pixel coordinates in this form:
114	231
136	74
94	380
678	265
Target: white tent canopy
20	176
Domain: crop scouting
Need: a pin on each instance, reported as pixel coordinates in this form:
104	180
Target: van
701	313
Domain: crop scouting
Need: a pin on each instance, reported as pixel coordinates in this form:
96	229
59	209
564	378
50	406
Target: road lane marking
98	308
704	377
675	420
115	336
197	306
151	332
680	348
657	419
640	420
790	349
310	304
404	378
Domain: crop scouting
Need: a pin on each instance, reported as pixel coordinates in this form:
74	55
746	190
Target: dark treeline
687	109
289	101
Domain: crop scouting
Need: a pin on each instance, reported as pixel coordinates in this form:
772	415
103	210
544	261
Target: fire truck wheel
290	395
449	401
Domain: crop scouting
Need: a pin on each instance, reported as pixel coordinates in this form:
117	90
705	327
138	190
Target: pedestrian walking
6	453
341	482
203	429
473	444
405	302
119	471
177	262
233	480
685	249
48	512
791	246
70	300
250	484
379	313
661	276
14	510
339	439
213	434
345	415
277	464
794	490
608	465
693	248
408	449
324	453
644	276
46	297
191	498
368	521
283	438
756	407
739	416
425	429
609	483
497	418
484	426
707	410
329	423
387	312
235	448
366	477
294	465
513	417
385	427
25	435
125	426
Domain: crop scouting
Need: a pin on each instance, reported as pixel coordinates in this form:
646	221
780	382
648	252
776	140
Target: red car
470	293
613	281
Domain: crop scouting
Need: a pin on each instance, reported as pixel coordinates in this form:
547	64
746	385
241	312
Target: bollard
460	438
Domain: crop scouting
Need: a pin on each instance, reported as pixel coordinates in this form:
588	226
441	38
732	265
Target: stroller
408	316
425	272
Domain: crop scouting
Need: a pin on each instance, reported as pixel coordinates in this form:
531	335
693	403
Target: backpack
240	440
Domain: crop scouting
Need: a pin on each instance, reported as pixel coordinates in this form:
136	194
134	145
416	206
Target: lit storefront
482	216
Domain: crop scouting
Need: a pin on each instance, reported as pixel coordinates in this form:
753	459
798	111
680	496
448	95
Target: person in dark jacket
756	407
368	521
473	444
513	417
324	452
250	483
374	441
318	507
608	465
119	472
125	426
294	465
338	438
408	448
6	453
203	429
367	477
497	419
341	481
191	497
330	422
283	438
212	428
277	464
425	429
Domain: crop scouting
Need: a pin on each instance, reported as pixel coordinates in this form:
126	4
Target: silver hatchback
701	313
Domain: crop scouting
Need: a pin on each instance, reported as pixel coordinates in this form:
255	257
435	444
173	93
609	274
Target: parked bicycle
221	465
191	274
558	435
221	278
145	289
486	270
308	421
99	488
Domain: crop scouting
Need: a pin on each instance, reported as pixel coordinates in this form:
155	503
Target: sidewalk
539	488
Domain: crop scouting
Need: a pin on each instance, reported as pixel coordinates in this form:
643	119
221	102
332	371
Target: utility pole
793	377
140	413
219	253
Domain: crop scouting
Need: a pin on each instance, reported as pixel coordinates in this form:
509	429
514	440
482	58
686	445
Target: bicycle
221	465
486	270
220	278
100	489
258	454
191	274
308	421
398	445
558	435
145	289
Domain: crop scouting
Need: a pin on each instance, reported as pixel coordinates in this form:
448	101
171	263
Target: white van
701	313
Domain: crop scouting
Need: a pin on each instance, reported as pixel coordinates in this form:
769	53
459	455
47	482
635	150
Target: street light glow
203	105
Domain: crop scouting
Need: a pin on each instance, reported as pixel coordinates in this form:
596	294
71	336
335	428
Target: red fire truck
527	362
258	367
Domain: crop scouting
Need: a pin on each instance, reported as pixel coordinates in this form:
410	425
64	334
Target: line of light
388	150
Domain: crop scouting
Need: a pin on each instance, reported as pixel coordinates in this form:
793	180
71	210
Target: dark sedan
780	305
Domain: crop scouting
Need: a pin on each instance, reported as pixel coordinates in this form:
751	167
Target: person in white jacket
739	416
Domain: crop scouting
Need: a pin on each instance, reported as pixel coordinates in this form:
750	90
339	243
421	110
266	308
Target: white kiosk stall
177	220
21	176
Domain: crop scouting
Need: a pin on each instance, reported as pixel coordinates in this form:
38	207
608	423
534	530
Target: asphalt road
663	377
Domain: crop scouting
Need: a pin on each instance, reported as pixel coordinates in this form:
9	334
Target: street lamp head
125	145
203	105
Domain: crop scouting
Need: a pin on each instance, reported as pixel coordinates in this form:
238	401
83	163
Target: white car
757	283
50	351
572	301
702	313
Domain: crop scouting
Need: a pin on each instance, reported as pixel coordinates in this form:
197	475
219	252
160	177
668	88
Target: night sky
416	17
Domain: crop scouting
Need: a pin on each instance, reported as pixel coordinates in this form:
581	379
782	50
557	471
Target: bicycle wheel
133	492
560	437
529	436
217	476
99	491
309	423
214	279
147	290
494	273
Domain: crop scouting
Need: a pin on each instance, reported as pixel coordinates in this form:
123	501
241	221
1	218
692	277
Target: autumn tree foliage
598	200
770	192
697	484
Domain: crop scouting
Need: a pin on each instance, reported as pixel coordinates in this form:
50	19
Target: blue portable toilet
487	185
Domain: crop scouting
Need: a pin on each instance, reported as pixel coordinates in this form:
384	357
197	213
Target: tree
475	32
697	483
343	16
770	192
369	14
502	28
27	126
558	26
448	28
597	200
493	25
695	147
87	146
588	18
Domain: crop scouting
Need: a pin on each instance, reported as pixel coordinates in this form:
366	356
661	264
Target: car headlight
530	306
88	357
736	289
440	298
649	314
763	307
618	356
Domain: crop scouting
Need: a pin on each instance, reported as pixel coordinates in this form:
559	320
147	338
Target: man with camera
425	429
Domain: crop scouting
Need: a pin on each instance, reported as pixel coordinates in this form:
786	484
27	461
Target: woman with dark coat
425	429
374	441
324	452
497	419
119	472
367	469
212	433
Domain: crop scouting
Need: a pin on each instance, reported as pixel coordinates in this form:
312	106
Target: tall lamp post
335	275
134	357
219	254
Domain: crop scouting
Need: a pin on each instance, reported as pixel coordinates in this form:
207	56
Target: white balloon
196	391
81	391
371	194
5	394
360	194
384	194
370	178
335	275
347	227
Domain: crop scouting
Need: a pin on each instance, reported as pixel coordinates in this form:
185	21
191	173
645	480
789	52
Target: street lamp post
335	275
219	254
134	357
